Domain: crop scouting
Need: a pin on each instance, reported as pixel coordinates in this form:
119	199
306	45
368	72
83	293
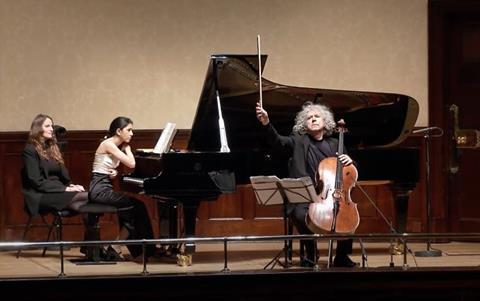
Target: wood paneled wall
231	214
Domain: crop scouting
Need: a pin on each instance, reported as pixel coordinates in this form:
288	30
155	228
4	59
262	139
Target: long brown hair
46	148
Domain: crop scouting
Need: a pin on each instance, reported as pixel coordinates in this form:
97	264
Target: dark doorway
454	106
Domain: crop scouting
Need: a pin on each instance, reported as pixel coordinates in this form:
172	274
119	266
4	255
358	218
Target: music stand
270	190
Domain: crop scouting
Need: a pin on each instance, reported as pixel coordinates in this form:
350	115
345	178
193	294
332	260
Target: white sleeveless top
104	163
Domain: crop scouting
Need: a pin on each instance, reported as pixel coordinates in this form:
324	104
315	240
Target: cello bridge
337	194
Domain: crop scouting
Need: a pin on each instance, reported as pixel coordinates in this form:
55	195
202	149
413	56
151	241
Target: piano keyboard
134	181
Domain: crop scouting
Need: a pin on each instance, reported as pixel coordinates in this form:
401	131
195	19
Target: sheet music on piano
164	141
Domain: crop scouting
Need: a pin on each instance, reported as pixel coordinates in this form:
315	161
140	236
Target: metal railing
405	238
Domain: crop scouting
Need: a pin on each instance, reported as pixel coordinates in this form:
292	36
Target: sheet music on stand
268	190
299	190
164	142
166	138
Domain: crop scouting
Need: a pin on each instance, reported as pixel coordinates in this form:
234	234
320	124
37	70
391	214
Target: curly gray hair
325	113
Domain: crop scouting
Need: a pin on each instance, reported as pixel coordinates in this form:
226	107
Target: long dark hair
46	148
118	123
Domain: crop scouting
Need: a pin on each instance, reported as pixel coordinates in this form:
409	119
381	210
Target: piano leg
401	207
189	220
168	223
170	227
402	194
168	219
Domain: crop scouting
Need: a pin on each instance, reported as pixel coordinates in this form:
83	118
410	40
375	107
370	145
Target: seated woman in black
45	180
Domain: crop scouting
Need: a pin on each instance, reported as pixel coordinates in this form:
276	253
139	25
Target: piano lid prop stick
221	126
259	51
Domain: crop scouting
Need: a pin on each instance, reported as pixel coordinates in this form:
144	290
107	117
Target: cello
333	210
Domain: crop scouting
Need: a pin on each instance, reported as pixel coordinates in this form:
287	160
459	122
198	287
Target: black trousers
132	213
298	213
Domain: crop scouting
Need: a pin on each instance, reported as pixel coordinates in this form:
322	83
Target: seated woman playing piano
133	216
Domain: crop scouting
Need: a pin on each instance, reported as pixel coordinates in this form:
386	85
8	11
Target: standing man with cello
309	144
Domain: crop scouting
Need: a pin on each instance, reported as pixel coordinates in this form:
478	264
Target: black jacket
35	180
298	146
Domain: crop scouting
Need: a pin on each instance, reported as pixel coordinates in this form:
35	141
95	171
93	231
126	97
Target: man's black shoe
307	263
343	261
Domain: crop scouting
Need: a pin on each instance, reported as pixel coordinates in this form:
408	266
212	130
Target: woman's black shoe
91	252
343	261
159	252
111	254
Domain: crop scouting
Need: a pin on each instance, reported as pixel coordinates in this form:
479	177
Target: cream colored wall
86	61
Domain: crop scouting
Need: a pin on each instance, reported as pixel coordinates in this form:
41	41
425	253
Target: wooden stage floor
242	257
453	276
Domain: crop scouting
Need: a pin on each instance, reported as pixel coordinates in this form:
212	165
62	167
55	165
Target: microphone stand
429	252
390	225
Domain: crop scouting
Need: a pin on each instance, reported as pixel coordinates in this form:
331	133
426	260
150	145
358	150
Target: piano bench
93	212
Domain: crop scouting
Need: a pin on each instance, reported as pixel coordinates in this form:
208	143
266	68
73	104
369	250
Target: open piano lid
373	120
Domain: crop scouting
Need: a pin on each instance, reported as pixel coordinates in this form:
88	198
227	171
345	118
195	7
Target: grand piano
377	123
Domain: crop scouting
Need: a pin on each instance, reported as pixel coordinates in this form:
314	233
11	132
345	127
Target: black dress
57	200
44	182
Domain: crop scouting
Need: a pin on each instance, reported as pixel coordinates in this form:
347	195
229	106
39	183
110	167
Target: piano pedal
173	251
184	260
396	249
